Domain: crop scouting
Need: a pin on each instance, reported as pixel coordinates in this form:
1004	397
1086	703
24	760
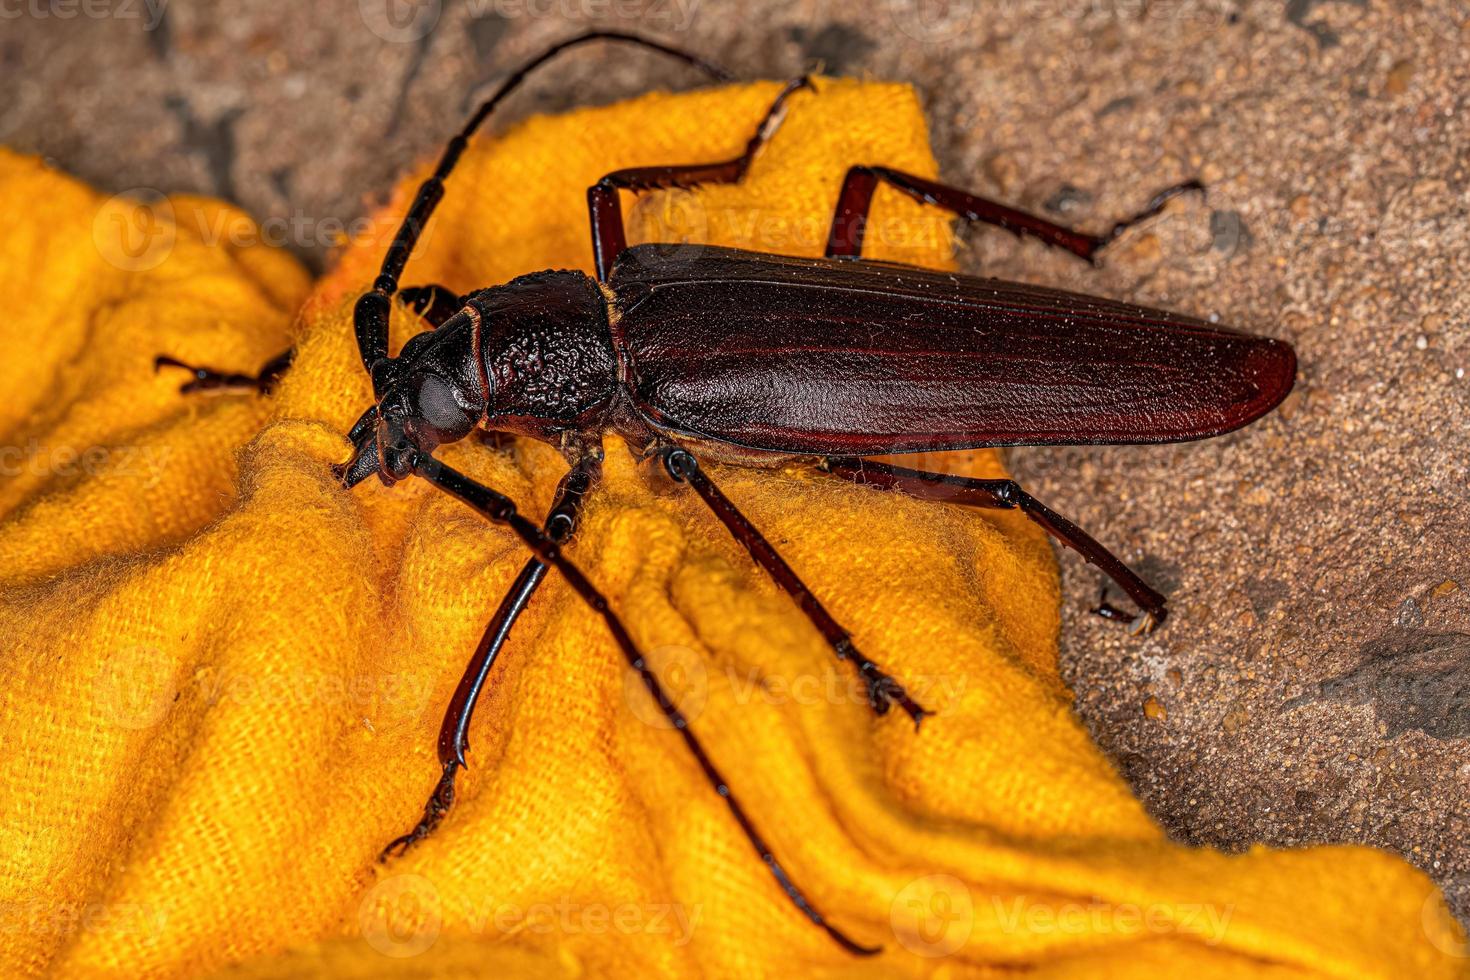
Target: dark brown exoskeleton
739	356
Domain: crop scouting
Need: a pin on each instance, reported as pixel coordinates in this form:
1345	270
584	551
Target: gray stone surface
1312	684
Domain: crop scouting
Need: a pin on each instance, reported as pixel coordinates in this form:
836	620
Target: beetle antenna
371	314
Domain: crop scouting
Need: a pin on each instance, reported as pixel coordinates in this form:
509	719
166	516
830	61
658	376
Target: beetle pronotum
741	356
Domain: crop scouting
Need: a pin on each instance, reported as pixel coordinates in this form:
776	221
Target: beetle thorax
547	353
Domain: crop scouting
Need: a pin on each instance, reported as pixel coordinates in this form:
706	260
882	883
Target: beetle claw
1139	624
439	803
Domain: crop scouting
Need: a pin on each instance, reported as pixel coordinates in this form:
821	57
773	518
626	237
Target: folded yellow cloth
224	674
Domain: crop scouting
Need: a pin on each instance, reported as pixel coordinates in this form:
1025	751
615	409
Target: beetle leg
845	240
560	523
208	379
435	303
501	509
883	690
1007	494
1136	623
605	213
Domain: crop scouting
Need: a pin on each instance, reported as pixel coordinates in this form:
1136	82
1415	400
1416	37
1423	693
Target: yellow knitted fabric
224	674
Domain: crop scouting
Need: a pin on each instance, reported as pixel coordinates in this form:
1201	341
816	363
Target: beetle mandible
745	357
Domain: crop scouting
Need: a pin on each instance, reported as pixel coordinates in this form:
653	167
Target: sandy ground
1314	682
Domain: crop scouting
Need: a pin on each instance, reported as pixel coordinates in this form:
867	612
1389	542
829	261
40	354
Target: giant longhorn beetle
747	357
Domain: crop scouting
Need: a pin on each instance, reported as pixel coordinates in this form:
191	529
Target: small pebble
1399	77
1146	250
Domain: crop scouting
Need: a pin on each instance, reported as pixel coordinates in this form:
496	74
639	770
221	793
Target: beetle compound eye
439	407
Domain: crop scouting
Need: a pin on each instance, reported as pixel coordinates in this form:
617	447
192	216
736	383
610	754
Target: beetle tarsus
884	692
207	379
1140	623
439	803
1154	207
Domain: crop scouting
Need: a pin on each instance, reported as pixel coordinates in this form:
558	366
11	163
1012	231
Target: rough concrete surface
1314	681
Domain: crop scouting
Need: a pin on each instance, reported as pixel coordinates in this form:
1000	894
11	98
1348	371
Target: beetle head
423	403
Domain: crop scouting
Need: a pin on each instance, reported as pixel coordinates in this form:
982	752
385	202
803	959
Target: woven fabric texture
224	674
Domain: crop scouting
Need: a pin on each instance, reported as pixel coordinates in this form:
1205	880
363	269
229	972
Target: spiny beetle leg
883	691
208	379
560	523
609	238
1008	495
500	509
849	222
